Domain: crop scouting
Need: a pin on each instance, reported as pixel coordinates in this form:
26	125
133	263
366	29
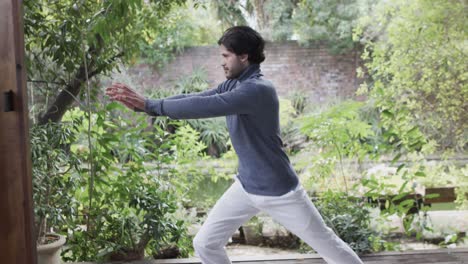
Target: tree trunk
64	99
262	20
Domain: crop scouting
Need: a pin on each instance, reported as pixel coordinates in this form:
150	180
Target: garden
386	167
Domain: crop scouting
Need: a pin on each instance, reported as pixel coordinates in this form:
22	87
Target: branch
66	96
46	82
100	69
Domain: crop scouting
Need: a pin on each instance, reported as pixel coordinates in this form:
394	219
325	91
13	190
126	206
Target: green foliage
356	130
230	12
331	22
350	219
349	131
462	188
416	57
53	182
213	133
287	111
186	146
188	25
299	101
399	199
55	29
131	210
447	174
132	205
340	133
451	240
197	81
209	188
191	174
68	42
294	141
291	135
280	24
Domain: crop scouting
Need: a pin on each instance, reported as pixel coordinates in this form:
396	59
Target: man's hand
121	93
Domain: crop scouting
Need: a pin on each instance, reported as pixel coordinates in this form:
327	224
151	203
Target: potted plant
136	211
53	184
130	215
131	210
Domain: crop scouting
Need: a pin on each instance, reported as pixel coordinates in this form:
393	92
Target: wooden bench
445	195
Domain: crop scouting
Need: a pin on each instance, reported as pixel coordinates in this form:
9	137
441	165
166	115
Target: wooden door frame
17	242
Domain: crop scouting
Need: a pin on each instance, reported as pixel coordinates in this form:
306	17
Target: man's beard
235	71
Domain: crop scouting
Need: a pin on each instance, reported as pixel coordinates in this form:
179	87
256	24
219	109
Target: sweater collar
251	71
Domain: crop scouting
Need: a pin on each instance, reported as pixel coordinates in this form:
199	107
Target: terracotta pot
50	253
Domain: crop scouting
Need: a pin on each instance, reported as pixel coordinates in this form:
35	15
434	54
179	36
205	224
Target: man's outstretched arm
131	99
242	100
207	92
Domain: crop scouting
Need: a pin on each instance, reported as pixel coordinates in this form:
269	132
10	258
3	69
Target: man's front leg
229	213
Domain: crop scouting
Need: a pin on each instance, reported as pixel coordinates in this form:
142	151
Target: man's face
233	64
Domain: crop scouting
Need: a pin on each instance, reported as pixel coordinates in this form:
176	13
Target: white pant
294	210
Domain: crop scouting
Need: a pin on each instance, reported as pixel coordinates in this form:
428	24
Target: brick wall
313	70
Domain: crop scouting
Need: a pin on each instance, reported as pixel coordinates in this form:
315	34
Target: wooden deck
441	256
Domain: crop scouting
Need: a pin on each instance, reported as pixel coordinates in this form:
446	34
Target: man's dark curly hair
244	40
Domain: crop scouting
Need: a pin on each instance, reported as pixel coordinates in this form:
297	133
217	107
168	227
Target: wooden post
17	243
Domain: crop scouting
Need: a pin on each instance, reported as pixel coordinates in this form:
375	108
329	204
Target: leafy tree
190	24
230	12
416	57
263	15
69	42
341	133
53	181
272	18
331	22
280	25
128	209
350	219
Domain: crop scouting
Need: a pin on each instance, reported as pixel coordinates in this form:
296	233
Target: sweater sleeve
208	92
151	103
241	100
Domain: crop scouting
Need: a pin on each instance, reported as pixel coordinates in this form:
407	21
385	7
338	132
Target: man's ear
244	57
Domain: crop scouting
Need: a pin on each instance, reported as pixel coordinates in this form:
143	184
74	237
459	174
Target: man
266	180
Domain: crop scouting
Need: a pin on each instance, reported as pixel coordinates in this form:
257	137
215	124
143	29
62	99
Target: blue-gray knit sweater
251	107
